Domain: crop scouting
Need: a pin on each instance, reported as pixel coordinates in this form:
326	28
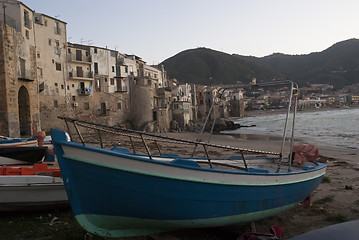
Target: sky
158	29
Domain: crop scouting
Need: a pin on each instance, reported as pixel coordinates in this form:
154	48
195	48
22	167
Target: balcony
84	91
121	89
74	75
72	57
26	75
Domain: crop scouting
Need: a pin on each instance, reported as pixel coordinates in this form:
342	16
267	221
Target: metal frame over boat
115	192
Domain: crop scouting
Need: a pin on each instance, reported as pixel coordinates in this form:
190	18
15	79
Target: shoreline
332	141
270	112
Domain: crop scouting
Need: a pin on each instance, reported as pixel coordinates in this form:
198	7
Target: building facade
19	105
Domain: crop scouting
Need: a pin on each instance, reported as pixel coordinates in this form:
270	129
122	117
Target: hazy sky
158	29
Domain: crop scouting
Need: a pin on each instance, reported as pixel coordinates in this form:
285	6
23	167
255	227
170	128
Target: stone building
142	95
97	90
19	105
110	95
51	61
45	77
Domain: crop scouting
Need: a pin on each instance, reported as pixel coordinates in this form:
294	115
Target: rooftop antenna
81	40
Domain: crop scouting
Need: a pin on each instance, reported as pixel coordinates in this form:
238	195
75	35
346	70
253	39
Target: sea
337	128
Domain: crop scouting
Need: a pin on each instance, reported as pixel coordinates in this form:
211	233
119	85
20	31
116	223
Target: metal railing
146	137
294	91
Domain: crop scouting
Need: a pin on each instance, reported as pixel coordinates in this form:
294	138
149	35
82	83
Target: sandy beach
332	202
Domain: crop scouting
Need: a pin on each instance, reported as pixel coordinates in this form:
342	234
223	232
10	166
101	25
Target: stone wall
12	48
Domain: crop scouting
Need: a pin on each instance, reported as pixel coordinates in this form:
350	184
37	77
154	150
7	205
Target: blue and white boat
119	193
17	142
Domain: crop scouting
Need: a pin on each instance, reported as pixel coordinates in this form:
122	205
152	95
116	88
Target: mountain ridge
337	65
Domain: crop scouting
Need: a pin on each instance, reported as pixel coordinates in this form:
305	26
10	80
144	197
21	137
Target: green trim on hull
186	179
115	226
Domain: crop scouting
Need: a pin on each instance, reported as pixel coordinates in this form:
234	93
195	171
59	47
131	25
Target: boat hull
23	154
139	204
18	193
114	194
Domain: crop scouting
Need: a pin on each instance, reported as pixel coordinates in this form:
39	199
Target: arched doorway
24	112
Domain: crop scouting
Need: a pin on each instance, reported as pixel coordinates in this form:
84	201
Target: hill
209	67
337	65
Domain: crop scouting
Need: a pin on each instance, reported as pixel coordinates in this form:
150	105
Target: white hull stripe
188	174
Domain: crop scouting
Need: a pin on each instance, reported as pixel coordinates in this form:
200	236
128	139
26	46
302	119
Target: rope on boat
155	137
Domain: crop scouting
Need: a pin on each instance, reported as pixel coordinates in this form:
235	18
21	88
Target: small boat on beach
35	187
22	155
127	191
17	142
27	182
19	151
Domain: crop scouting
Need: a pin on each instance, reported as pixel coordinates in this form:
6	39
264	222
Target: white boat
31	188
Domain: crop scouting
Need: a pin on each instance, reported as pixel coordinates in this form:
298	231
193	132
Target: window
68	87
26	19
49	42
22	67
73	98
95	50
57	48
45	23
119	106
95	66
105	79
112	81
27	34
113	69
73	85
57	28
39	72
79	72
86	105
38	55
55	84
55	104
126	69
41	87
62	86
78	55
103	109
58	66
69	50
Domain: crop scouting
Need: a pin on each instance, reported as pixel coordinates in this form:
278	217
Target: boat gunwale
318	166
